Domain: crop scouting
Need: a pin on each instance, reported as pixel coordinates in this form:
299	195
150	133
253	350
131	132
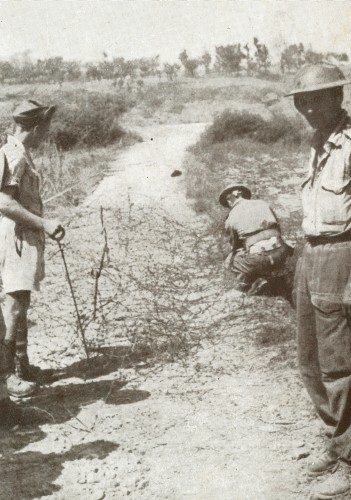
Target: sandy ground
229	422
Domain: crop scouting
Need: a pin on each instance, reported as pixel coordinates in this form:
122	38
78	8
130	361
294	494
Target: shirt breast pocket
334	202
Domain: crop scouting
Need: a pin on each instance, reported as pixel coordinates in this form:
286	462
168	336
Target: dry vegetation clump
272	323
68	176
83	118
252	92
173	97
152	304
88	119
230	125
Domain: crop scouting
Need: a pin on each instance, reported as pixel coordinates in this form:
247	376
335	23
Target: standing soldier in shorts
22	230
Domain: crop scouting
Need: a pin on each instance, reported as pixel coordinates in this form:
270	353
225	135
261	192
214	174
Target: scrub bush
235	125
88	119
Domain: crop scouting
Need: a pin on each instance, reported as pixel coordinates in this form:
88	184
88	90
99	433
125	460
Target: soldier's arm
12	209
235	244
275	216
234	240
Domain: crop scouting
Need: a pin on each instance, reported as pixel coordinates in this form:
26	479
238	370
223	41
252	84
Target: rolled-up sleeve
15	168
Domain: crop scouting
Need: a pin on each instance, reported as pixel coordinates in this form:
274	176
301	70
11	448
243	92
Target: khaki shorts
21	257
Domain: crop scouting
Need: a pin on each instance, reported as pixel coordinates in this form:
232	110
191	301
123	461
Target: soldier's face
233	196
320	108
40	133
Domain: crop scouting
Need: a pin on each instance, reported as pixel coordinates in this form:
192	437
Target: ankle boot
18	388
15	386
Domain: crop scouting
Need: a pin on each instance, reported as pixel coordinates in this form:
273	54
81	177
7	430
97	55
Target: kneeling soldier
258	251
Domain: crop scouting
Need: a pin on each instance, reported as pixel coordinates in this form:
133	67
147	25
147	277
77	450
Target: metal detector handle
59	234
79	319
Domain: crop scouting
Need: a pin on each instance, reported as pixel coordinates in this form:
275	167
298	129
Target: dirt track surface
143	172
229	422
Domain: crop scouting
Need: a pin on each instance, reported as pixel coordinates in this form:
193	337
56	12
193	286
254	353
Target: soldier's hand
54	229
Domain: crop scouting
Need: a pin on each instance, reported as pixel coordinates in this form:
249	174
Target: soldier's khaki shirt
21	174
21	248
326	192
250	216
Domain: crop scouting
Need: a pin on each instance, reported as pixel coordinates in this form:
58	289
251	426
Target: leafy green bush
88	118
235	125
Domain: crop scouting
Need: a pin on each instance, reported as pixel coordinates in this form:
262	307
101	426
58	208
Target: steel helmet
318	77
229	189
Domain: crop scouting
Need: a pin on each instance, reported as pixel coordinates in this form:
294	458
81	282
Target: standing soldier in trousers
323	275
22	230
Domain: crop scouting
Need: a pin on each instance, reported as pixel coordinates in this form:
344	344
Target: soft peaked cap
30	114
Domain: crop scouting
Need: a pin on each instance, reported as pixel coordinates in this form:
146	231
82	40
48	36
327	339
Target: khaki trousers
252	266
323	276
3	363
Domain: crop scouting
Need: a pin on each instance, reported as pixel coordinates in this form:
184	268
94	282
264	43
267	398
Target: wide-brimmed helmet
314	77
229	189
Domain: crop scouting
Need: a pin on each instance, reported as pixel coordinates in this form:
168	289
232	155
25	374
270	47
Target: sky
82	30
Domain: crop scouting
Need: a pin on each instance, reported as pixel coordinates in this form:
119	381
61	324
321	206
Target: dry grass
68	176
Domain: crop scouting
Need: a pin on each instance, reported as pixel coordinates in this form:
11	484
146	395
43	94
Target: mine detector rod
61	193
80	326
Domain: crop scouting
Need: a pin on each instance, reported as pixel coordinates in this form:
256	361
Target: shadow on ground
104	360
31	474
65	402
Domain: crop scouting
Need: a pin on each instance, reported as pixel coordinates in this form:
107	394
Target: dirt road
230	422
143	172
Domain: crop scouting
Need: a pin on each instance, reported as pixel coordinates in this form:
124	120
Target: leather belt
323	240
266	245
266	234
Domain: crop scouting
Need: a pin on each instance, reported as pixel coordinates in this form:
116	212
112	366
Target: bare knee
16	305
